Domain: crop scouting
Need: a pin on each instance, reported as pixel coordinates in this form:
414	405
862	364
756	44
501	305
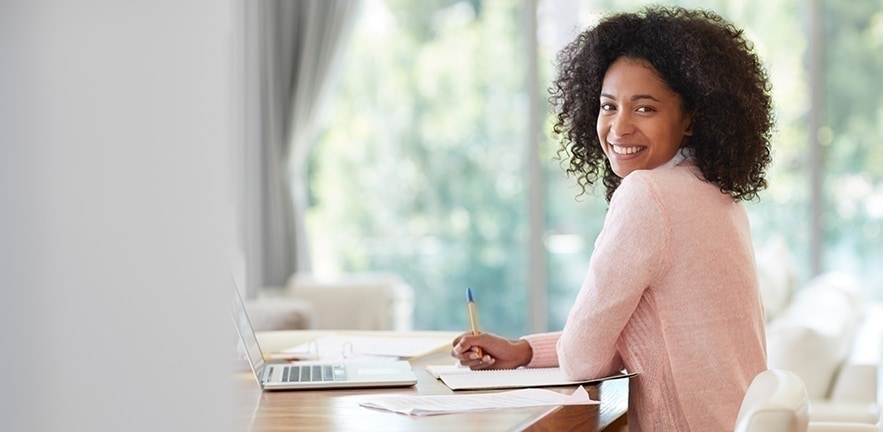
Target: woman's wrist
524	350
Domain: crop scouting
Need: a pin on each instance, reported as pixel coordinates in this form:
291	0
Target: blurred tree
421	170
853	182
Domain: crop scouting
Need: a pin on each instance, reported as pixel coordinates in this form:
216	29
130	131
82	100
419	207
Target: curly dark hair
702	58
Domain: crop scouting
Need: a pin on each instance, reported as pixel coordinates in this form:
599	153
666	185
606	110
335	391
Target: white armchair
842	427
831	339
776	401
356	301
279	313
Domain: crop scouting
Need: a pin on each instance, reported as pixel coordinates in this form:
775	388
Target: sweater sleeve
631	252
544	349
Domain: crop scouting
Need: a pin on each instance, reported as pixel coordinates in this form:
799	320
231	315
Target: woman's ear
688	130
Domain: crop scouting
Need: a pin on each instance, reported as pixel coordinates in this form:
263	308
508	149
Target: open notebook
462	378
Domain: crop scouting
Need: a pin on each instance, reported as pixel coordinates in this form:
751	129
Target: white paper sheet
446	404
354	347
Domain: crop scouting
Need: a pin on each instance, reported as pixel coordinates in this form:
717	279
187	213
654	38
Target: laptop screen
246	334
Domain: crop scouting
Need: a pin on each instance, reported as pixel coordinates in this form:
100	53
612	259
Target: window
423	167
421	170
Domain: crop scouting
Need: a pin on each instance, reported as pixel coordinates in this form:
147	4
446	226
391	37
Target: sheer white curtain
297	45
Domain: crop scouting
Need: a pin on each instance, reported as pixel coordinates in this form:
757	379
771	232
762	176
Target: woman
670	109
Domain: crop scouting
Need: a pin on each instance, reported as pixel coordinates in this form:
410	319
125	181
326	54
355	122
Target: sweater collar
682	155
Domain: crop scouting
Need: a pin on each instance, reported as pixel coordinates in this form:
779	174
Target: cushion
824	410
356	301
777	277
812	337
268	314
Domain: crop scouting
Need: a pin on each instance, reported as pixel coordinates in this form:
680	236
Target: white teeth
626	150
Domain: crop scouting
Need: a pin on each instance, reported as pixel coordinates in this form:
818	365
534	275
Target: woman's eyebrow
644	96
633	98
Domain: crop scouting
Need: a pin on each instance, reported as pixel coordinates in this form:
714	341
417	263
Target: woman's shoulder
638	190
661	177
677	176
664	184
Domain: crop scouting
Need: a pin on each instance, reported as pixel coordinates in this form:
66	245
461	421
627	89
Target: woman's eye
607	107
644	109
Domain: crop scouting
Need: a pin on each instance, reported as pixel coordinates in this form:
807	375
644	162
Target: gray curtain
299	44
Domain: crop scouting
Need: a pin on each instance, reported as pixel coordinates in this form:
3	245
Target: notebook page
461	378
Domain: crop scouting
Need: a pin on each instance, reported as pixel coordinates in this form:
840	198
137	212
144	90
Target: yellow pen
473	318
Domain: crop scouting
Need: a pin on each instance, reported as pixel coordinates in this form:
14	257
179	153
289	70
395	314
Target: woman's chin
622	171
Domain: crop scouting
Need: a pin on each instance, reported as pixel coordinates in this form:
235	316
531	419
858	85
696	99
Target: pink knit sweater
671	292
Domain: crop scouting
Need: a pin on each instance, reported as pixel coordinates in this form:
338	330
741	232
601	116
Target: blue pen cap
468	294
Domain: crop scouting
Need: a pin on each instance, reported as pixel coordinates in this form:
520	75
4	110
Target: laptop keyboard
314	373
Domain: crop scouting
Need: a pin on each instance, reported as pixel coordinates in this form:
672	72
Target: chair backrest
776	401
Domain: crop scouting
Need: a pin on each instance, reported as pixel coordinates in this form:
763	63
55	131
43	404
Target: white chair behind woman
827	426
776	401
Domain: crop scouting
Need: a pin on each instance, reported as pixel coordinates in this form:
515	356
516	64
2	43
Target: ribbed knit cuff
545	349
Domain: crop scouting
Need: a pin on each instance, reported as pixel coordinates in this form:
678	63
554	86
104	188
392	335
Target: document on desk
426	405
462	378
381	347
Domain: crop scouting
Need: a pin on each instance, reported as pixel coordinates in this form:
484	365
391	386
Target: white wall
120	123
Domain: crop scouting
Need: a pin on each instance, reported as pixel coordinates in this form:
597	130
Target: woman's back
699	324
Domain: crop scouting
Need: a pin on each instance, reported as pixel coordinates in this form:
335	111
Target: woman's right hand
498	352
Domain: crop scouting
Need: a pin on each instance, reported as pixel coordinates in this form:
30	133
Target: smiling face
642	123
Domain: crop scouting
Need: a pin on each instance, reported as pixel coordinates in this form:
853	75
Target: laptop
315	374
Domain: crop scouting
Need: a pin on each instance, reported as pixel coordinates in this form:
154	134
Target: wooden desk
339	410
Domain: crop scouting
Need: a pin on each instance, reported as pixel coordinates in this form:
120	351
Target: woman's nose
621	124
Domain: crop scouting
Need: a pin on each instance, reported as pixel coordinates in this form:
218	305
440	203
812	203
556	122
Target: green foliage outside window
422	167
421	171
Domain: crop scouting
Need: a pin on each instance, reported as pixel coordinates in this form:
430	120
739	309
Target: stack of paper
447	404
